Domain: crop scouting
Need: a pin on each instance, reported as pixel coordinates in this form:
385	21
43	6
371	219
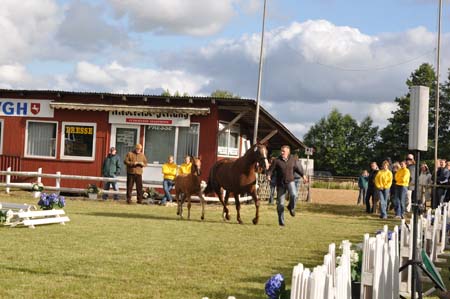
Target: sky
319	55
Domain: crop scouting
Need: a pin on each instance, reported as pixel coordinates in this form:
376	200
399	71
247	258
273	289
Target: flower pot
92	195
356	289
36	194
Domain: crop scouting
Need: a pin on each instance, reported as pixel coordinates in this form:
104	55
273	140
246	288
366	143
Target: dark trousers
370	193
131	179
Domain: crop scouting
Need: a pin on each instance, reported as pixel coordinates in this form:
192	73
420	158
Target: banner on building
25	108
150	118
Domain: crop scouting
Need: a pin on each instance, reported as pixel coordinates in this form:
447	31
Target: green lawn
113	250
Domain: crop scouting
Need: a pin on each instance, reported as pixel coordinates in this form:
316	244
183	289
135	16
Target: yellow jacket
383	180
185	168
402	177
169	171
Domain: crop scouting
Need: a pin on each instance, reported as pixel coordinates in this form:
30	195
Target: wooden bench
32	218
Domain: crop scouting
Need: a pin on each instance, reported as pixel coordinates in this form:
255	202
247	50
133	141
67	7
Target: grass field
114	250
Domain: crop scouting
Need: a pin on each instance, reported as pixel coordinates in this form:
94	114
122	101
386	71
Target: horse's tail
211	185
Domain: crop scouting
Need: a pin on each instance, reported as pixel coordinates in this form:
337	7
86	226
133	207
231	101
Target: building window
228	140
159	143
41	139
78	141
162	141
187	142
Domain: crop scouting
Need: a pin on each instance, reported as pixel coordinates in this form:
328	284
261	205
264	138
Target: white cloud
121	79
311	61
194	17
13	75
84	28
25	28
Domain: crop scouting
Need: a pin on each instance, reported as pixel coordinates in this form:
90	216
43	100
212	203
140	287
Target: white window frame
176	140
26	155
78	158
175	146
114	127
2	132
235	129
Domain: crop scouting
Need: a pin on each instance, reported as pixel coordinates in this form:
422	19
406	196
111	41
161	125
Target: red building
71	132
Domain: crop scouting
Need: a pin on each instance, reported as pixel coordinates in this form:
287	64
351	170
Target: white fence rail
58	188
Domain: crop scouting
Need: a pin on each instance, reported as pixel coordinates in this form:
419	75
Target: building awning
125	108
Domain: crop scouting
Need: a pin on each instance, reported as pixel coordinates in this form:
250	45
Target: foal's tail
212	184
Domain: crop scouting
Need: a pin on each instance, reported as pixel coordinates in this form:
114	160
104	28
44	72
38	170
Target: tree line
345	147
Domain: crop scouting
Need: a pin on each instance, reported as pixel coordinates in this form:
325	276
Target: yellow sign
79	130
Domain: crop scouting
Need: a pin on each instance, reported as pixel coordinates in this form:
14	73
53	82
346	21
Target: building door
124	138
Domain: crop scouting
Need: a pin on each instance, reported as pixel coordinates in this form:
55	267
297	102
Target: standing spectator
185	168
371	189
412	171
402	177
395	168
297	177
442	176
273	183
135	162
111	169
363	183
169	171
285	166
424	184
447	192
383	182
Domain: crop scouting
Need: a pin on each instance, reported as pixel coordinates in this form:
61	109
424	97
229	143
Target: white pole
8	180
258	94
436	121
58	182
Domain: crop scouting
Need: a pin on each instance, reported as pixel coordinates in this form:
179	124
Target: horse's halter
197	169
261	152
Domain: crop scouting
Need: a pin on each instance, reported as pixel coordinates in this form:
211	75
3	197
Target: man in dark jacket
371	189
111	169
284	167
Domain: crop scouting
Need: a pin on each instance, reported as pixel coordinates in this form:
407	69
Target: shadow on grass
47	272
159	217
339	210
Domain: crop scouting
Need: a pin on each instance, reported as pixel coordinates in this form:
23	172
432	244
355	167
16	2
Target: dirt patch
334	196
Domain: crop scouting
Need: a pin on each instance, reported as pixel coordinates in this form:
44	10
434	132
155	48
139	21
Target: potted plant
356	268
37	188
51	201
150	195
92	191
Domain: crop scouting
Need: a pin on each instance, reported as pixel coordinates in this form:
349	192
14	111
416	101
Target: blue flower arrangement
51	201
389	233
275	286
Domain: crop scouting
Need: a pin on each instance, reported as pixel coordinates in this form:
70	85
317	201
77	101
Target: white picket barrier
382	257
326	280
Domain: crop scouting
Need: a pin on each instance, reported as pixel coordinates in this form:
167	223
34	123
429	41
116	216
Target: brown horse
188	185
238	177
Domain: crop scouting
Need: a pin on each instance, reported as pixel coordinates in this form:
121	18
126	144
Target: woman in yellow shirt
185	168
383	182
169	171
402	177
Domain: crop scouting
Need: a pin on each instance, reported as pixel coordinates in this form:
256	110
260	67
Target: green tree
224	94
341	145
166	93
394	137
